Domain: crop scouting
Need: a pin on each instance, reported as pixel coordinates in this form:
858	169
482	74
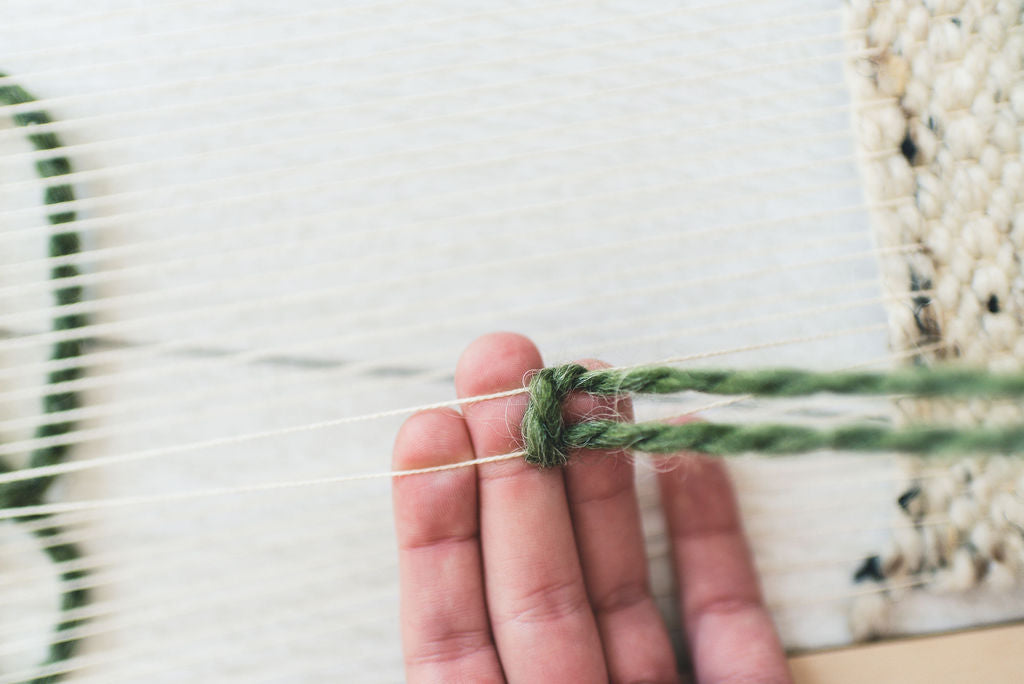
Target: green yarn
32	492
547	440
792	382
544	431
724	439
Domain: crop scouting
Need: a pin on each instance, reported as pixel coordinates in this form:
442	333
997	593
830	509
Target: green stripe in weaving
32	492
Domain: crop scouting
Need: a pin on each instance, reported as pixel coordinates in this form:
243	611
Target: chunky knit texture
942	148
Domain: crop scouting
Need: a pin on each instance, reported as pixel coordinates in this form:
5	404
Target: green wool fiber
547	440
32	492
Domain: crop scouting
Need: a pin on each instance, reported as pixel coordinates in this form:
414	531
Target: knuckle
439	539
727	606
451	645
622	597
548	602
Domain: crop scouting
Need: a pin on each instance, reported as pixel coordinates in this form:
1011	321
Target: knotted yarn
544	429
548	440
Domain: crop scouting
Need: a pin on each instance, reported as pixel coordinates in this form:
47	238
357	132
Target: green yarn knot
548	439
544	430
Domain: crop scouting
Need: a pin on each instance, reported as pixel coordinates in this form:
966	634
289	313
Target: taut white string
110	274
336	36
49	103
58	20
263	302
91	434
66	150
261	353
673	134
212	392
153	551
147	454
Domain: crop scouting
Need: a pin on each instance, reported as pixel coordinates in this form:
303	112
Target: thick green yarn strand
547	439
32	492
725	439
794	382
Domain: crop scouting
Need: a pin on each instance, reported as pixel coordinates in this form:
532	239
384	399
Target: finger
606	519
445	630
542	622
729	630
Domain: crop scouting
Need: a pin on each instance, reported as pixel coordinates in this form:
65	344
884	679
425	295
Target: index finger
446	635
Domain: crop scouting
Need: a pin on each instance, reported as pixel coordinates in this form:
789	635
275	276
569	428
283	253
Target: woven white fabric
949	80
642	121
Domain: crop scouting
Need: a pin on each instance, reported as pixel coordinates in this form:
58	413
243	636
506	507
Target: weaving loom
290	221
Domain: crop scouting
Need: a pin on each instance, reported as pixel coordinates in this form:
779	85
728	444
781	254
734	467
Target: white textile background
332	199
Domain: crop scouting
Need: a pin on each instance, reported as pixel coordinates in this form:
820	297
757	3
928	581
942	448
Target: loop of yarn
548	440
544	430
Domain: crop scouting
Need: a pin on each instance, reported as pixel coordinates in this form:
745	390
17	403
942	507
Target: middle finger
543	625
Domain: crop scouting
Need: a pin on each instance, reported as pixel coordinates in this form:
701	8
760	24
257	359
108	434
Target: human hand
509	572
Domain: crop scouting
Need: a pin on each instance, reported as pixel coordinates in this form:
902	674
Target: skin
512	573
